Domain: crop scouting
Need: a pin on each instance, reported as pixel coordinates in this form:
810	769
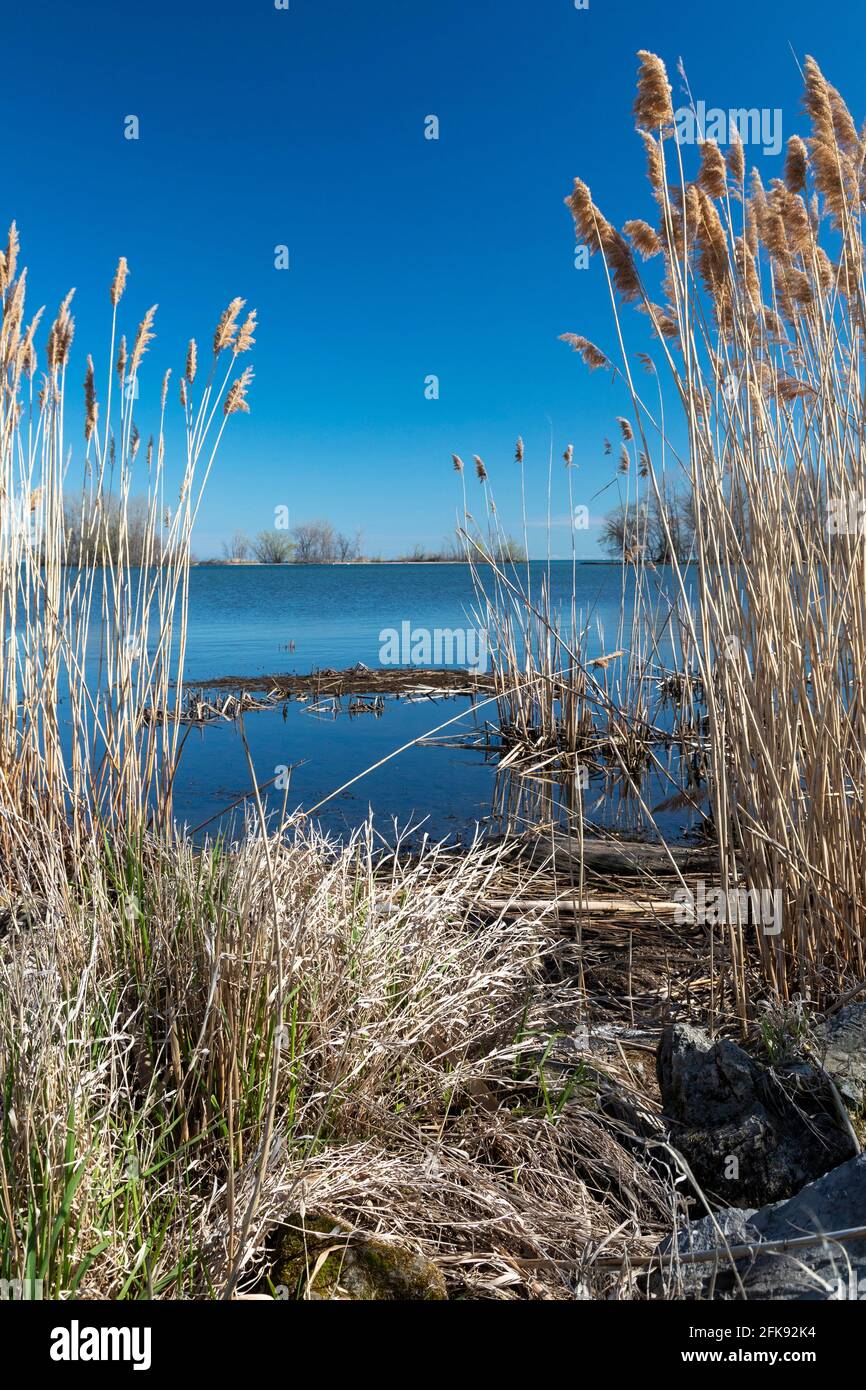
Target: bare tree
315	542
347	547
238	548
662	529
272	547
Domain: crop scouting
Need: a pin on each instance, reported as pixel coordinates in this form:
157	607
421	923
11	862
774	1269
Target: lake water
244	617
249	621
253	620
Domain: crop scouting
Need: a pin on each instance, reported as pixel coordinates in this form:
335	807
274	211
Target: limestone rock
841	1047
750	1134
823	1270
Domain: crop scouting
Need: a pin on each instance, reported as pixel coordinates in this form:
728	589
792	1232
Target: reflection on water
246	621
435	768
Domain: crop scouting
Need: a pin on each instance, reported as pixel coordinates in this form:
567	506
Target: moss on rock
318	1256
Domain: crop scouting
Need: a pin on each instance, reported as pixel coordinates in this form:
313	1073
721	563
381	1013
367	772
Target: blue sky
409	257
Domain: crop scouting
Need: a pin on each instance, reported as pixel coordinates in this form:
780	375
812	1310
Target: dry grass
195	1042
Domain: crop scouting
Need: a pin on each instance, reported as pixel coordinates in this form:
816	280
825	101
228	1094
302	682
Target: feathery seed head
652	107
227	326
10	257
91	408
795	165
245	337
237	397
592	356
712	177
118	284
736	160
143	338
643	238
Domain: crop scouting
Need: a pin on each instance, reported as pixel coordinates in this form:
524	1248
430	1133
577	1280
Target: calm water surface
252	620
244	618
295	619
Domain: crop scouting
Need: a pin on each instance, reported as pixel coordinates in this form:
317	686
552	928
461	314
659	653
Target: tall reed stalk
755	298
89	649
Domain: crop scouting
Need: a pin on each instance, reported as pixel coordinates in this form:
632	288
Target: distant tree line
311	543
318	543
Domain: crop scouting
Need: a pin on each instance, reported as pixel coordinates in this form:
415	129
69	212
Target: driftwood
614	858
576	906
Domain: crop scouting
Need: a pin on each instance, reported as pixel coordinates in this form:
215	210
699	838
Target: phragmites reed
9	259
592	356
643	237
28	357
237	396
245	339
652	107
590	225
191	361
518	450
118	284
764	336
593	229
713	172
60	337
655	163
91	408
102	764
227	326
480	470
736	160
795	164
458	463
143	338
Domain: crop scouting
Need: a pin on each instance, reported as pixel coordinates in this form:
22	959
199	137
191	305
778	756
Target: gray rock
750	1135
704	1084
841	1047
822	1270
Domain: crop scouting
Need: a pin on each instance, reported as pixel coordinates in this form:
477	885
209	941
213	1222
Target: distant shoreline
371	564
